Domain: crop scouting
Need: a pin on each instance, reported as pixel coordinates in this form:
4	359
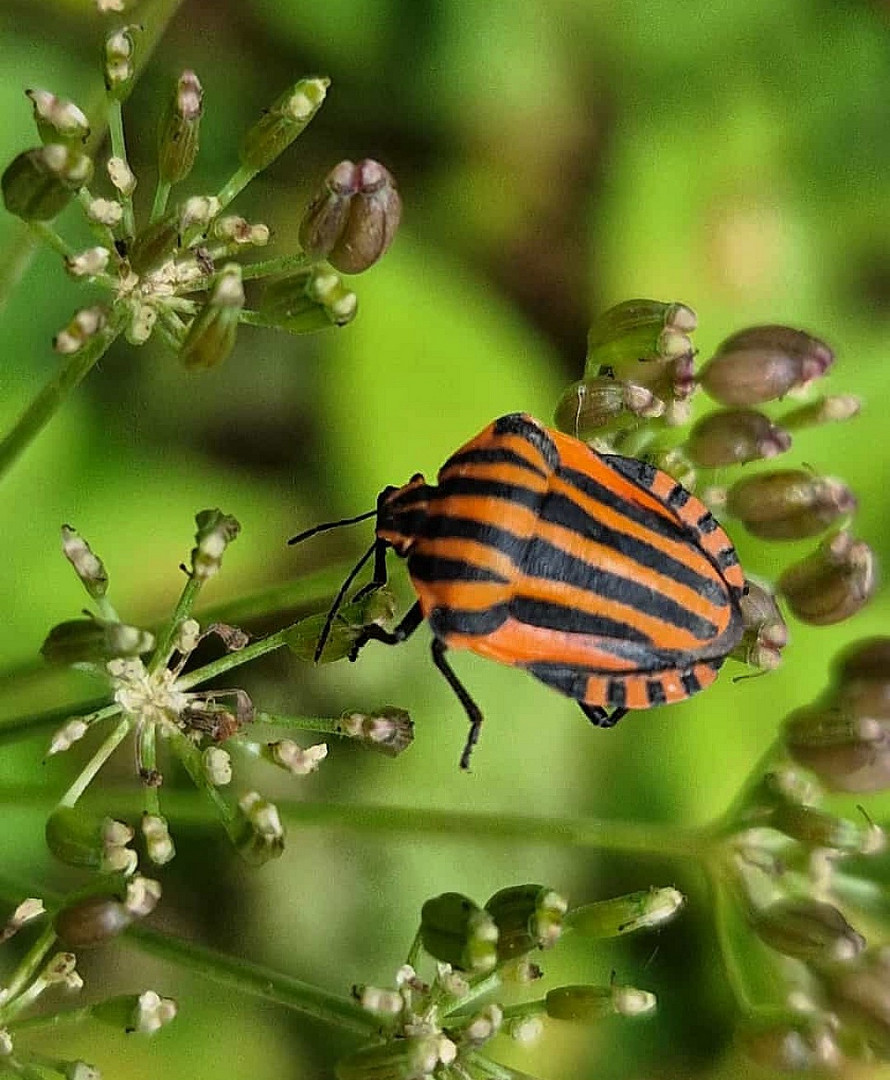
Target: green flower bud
527	917
180	128
815	828
808	930
597	403
282	123
215	532
401	1059
789	504
119	67
58	120
259	833
211	336
85	325
38	184
763	363
388	729
766	633
94	641
591	1003
847	752
91	922
734	436
641	910
99	843
374	608
354	218
144	1013
456	931
790	1042
832	583
628	335
305	302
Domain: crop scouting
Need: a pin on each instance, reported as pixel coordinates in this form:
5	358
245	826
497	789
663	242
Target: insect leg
599	716
379	578
472	710
404	630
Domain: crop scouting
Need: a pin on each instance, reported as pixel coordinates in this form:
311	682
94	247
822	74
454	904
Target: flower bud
144	1013
107	212
196	214
354	218
58	120
374	608
789	504
765	634
26	912
641	910
121	176
290	756
828	409
815	828
282	123
79	838
586	1003
88	263
628	335
215	532
68	734
790	1042
862	675
401	1059
81	1070
238	231
217	766
601	402
832	583
91	922
86	324
88	567
381	1002
734	436
808	930
847	752
142	896
38	184
119	67
388	729
763	363
260	834
179	130
211	336
458	932
61	970
305	302
158	844
484	1026
527	917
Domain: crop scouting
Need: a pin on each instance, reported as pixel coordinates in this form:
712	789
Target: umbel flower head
179	275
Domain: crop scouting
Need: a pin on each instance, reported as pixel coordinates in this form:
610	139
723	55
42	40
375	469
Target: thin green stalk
190	758
236	183
55	393
322	725
50	237
92	767
51	1020
182	611
119	150
728	822
30	964
234	659
249	978
20	727
162	195
147	756
284	264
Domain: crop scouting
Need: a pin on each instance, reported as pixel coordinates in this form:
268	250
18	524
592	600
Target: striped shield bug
599	574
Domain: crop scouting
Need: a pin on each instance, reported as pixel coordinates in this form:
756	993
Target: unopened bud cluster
174	272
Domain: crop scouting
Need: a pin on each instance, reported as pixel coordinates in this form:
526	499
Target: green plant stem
51	1020
284	264
181	612
249	978
162	195
29	965
236	183
55	393
720	902
234	659
491	1068
147	756
50	237
119	150
19	727
190	758
729	821
323	725
92	767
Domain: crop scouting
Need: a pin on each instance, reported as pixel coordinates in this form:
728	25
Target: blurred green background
554	157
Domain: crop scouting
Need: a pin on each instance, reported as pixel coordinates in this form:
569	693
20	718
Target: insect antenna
330	525
338	600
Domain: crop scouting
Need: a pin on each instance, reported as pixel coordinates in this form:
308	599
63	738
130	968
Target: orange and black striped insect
599	574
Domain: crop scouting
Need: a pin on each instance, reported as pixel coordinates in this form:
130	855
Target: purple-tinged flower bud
282	123
259	832
353	220
86	324
91	922
458	932
179	132
211	336
88	567
763	363
828	409
847	752
387	729
766	633
791	1042
642	910
588	407
789	504
58	120
119	67
591	1003
734	436
527	917
860	994
411	1058
833	583
38	184
215	532
808	930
